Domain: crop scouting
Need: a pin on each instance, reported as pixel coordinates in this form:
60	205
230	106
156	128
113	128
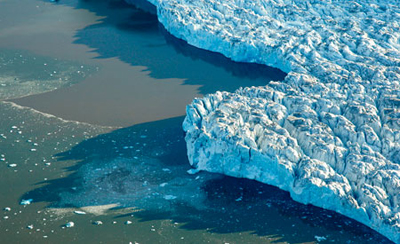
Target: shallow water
131	74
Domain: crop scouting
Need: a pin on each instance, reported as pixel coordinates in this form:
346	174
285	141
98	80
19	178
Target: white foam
47	115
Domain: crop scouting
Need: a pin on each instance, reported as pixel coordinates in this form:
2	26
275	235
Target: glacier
330	132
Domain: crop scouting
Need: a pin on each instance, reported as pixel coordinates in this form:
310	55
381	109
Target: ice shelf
330	132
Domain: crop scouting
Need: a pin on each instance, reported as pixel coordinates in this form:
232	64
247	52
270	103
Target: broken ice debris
192	171
239	199
320	238
26	202
169	197
70	224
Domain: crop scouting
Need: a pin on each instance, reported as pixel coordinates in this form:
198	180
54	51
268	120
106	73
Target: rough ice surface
330	132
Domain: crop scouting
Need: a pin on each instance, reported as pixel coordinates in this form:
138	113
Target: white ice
330	132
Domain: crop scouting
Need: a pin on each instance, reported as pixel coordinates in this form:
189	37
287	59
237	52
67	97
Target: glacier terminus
330	132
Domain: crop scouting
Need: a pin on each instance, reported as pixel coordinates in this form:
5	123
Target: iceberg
330	132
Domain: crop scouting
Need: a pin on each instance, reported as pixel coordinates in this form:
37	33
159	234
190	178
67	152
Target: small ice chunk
12	165
98	222
143	136
166	170
128	222
30	227
70	224
163	184
33	149
320	238
239	199
26	202
169	197
193	171
8	209
79	212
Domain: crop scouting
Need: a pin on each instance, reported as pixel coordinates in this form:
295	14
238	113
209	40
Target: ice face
330	132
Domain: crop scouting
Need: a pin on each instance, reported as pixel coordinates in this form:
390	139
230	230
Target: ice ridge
330	132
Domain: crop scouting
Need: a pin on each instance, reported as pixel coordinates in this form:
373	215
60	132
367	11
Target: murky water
141	69
93	97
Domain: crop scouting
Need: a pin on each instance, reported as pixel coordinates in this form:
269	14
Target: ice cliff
330	132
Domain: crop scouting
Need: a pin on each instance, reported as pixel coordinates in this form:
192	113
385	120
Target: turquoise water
107	140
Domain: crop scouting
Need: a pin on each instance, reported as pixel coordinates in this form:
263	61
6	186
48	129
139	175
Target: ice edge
330	132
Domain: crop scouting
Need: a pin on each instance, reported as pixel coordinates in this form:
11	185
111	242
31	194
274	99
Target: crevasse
330	132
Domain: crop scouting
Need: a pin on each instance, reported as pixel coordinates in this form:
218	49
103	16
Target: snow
330	132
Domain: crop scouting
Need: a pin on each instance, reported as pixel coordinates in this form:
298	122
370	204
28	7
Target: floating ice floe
26	202
193	171
70	224
169	197
330	132
320	238
98	222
